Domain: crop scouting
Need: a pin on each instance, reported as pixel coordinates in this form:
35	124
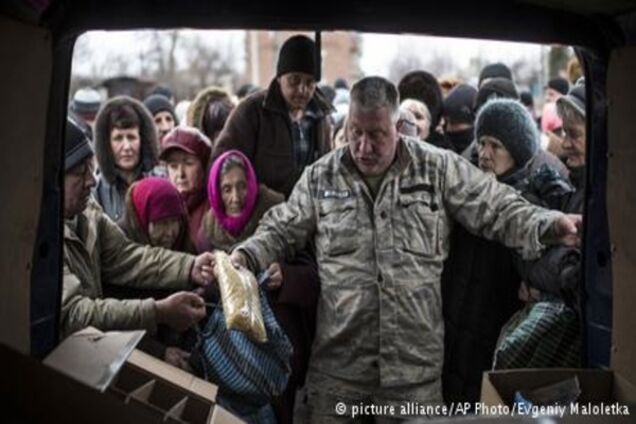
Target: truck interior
37	40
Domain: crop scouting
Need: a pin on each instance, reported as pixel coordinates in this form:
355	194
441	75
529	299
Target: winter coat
547	333
96	251
111	188
261	128
479	290
379	318
558	271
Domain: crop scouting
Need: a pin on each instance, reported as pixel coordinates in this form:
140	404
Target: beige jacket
96	250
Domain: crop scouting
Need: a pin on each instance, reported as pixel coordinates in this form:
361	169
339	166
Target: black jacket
480	286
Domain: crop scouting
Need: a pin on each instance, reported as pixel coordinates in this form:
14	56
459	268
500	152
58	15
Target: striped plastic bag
253	372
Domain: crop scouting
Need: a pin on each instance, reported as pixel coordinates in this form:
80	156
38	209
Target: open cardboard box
602	392
157	391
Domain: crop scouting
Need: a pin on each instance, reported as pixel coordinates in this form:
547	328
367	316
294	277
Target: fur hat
510	123
423	86
297	55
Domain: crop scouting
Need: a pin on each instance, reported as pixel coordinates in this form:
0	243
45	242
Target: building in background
340	55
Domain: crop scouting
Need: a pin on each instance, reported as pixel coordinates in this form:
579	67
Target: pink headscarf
232	224
155	199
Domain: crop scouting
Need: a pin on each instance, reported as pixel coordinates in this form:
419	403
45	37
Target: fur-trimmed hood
196	111
147	132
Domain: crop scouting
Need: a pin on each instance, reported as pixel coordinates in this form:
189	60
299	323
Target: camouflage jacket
380	260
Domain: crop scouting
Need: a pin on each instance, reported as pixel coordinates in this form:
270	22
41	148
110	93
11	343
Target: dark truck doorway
68	20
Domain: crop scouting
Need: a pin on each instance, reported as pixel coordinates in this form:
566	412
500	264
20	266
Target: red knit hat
155	199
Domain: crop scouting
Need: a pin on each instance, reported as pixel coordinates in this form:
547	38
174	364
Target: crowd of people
407	237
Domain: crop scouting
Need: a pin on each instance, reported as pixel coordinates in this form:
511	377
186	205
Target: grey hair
372	93
230	163
567	112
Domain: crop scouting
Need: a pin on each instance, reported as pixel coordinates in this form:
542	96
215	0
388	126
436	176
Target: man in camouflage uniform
380	212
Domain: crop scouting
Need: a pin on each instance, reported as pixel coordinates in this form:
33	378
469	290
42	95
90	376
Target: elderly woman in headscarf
237	203
156	215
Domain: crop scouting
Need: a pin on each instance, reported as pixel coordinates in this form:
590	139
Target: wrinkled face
126	145
233	186
573	144
164	123
373	139
185	172
493	156
165	232
78	183
298	88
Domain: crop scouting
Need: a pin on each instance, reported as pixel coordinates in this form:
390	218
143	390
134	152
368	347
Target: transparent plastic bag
240	298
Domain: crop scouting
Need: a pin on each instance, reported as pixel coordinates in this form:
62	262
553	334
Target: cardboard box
155	390
605	396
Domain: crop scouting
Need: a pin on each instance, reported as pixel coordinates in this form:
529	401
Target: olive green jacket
96	250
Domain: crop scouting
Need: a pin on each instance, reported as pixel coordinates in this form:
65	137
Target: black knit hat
423	86
162	90
510	123
458	105
77	145
559	84
575	98
495	88
297	55
494	70
159	103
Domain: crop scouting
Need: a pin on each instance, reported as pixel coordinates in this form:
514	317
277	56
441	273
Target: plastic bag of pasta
240	296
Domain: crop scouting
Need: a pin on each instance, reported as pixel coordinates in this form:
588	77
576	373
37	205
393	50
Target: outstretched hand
566	231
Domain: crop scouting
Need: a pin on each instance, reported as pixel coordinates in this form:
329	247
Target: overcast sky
378	50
